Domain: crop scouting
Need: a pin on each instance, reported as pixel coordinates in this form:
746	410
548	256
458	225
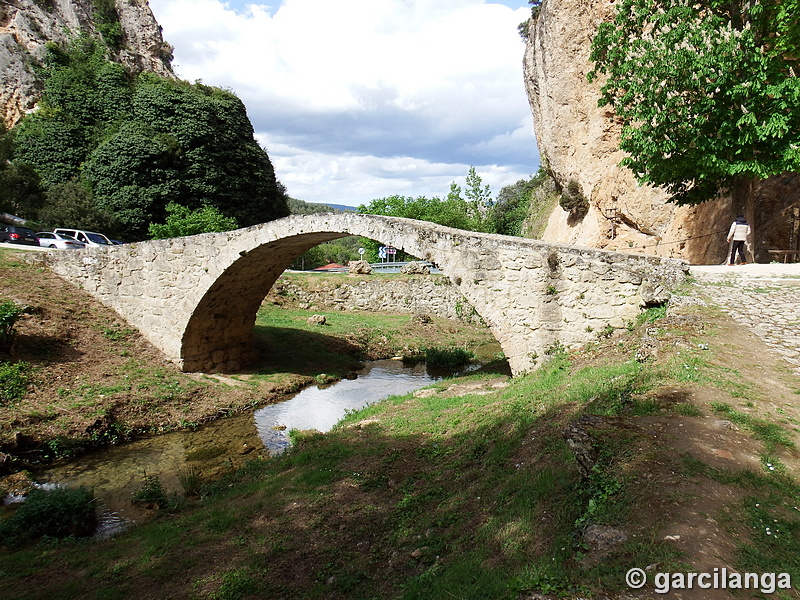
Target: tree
71	204
507	215
708	92
20	190
222	164
134	174
183	221
134	144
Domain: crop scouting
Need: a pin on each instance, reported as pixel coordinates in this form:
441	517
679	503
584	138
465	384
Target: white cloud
360	99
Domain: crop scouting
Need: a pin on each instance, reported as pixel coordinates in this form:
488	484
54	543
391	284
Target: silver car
62	241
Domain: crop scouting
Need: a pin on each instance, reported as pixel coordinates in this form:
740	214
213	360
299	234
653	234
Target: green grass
473	494
772	434
289	343
14	380
471	503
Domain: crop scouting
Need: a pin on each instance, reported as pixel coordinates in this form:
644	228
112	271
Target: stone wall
196	297
433	295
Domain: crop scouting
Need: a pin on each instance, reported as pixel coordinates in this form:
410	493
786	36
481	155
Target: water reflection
321	408
117	472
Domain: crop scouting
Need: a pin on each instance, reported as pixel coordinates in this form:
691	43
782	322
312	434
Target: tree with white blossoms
707	92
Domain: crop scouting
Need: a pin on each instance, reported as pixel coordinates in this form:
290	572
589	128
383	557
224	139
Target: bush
151	492
58	513
183	221
14	379
573	200
447	358
10	312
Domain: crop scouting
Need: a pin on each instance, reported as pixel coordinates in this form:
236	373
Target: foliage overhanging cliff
112	142
580	141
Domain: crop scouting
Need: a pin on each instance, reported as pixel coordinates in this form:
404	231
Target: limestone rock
26	26
316	320
579	140
415	267
602	538
579	438
359	267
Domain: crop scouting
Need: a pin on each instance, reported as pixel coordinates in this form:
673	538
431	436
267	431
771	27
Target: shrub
447	358
573	201
14	379
183	221
191	480
59	513
151	492
10	312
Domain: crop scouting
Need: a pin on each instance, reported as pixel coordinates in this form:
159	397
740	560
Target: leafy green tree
508	213
182	221
476	192
707	92
53	144
136	144
20	191
223	165
134	174
71	204
470	213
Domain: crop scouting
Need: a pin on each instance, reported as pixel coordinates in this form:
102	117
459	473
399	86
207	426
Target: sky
356	100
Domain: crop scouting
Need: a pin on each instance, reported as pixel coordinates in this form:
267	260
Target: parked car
13	234
90	238
48	239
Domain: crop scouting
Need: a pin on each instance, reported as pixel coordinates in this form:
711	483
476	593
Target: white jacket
739	231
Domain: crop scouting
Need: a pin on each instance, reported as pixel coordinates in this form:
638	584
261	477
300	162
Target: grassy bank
470	489
74	376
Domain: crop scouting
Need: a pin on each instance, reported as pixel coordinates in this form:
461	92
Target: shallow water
321	408
117	472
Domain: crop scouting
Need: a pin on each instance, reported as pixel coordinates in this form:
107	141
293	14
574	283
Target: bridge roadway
195	298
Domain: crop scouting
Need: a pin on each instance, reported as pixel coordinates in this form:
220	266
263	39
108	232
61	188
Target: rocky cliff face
26	26
579	141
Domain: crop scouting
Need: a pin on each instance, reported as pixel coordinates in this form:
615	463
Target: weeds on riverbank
469	489
79	378
56	513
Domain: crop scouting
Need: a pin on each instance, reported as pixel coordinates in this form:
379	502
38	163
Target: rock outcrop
579	141
26	26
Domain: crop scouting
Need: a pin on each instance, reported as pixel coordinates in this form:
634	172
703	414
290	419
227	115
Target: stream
117	472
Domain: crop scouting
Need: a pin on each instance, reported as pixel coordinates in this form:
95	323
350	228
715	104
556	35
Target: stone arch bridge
195	298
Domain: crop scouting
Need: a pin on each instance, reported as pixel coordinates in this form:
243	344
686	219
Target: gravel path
765	298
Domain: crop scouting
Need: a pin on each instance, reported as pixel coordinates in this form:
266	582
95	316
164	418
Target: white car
48	239
90	238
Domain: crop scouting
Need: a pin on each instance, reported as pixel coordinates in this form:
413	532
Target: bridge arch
196	297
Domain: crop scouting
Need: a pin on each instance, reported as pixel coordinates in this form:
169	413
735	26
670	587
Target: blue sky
361	99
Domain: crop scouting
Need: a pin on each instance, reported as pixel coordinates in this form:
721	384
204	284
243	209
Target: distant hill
341	207
300	207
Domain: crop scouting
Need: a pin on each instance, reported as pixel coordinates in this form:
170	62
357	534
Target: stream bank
118	473
90	381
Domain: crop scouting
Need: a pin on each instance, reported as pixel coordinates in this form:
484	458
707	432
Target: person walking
739	232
